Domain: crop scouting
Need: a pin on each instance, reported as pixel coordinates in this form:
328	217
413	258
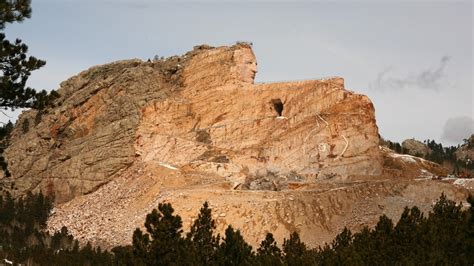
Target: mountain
270	157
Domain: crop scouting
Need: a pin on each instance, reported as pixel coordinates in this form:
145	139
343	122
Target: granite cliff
270	157
201	111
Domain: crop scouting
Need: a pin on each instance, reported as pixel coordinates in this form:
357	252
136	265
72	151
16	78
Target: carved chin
252	76
248	76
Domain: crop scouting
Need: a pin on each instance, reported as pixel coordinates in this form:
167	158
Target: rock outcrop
415	148
405	166
272	157
465	157
83	143
202	111
465	153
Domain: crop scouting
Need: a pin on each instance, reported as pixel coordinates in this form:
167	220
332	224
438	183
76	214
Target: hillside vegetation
444	236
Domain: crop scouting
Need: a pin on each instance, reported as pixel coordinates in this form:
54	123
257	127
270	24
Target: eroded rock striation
200	110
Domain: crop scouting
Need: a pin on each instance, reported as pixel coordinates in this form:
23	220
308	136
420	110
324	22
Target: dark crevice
278	106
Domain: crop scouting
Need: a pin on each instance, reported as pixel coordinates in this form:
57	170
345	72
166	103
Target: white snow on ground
424	175
426	172
423	178
459	181
465	182
405	157
449	178
167	166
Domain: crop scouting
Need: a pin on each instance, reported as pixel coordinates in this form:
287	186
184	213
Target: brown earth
318	211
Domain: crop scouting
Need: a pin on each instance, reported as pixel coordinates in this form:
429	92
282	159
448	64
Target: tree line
438	154
15	69
444	236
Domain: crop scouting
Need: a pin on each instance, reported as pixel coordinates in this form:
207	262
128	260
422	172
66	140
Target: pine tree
7	209
234	250
15	65
123	256
342	240
382	237
445	233
469	243
14	11
363	246
165	246
325	255
141	247
343	247
16	68
296	252
269	253
408	244
201	236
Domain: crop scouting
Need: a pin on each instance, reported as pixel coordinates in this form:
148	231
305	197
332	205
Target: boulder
415	148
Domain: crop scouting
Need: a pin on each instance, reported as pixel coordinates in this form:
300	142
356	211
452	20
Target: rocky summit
269	157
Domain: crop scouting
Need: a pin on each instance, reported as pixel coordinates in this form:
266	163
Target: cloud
428	79
458	128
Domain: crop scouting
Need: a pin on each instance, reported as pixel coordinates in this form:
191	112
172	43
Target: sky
413	59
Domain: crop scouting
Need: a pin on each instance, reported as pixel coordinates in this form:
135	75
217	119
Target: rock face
465	157
81	144
415	148
273	157
201	110
466	152
405	166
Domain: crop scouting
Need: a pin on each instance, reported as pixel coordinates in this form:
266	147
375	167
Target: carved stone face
246	64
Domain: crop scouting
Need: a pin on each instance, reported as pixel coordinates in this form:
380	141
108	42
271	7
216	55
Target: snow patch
461	181
465	182
167	166
404	157
425	174
423	178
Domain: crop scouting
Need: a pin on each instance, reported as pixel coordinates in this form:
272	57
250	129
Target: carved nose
254	67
